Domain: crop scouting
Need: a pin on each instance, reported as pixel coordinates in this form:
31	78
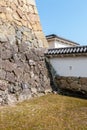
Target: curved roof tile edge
67	50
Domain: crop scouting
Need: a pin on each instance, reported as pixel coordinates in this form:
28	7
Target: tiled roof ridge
67	50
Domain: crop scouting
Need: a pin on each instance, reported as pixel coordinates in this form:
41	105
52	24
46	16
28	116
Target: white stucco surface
56	44
60	45
51	44
70	66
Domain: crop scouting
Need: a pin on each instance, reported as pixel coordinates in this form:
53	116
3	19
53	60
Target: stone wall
19	21
72	85
23	72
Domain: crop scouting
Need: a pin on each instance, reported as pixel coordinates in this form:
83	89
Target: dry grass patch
50	112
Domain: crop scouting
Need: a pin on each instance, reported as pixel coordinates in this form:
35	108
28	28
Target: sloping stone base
72	85
23	73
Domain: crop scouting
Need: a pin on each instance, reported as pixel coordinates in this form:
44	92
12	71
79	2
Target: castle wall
23	73
72	85
68	70
19	22
74	66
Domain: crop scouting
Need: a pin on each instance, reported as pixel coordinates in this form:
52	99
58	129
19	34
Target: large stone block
10	77
2	74
7	65
3	85
3	38
19	13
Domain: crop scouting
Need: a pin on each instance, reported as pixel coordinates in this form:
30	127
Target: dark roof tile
68	50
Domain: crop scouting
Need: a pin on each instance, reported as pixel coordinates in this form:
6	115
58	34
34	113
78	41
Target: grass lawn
49	112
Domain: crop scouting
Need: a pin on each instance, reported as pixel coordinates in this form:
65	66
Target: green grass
50	112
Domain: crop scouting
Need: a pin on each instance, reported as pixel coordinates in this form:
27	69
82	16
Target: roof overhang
54	37
68	51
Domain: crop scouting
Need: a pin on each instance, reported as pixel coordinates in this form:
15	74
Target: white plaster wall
52	44
56	44
60	45
70	66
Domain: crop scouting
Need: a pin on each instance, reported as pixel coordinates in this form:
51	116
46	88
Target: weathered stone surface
23	47
34	91
83	81
3	38
21	14
72	84
22	76
41	90
26	77
23	72
14	89
31	63
26	68
7	65
18	71
6	54
3	86
10	77
11	99
2	74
